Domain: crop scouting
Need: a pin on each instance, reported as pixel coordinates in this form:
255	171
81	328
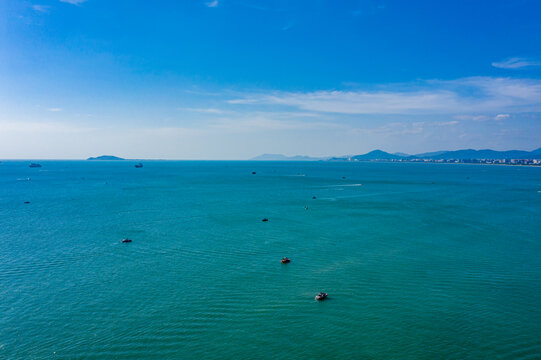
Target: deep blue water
421	261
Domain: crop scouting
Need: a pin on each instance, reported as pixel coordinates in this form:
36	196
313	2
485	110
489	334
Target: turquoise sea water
421	261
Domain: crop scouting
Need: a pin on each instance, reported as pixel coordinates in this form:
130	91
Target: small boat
285	260
127	240
313	197
139	165
27	202
253	172
321	296
34	165
265	220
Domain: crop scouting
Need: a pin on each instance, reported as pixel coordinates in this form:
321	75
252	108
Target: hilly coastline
455	155
467	154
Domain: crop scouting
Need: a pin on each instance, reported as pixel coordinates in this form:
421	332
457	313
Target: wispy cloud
453	97
212	4
288	26
204	110
483	117
229	112
73	2
42	127
268	122
473	117
404	128
516	63
41	8
54	109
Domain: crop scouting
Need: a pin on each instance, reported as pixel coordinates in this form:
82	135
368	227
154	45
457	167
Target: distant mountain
468	154
105	157
280	157
376	155
429	154
372	155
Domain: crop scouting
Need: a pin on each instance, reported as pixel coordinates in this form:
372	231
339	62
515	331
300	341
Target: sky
233	79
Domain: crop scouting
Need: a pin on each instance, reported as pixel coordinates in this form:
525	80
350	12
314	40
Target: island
105	157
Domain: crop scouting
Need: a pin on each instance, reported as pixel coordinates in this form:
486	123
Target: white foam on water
340	185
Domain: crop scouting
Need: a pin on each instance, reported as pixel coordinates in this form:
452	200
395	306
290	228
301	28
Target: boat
313	197
265	219
139	165
285	260
321	296
253	172
34	165
127	240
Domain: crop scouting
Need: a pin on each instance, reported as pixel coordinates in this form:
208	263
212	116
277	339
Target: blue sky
231	79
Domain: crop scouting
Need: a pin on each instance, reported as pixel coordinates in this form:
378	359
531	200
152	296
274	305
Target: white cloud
42	127
516	63
393	129
472	117
212	4
357	102
41	8
466	95
73	2
253	123
411	117
446	123
204	110
483	117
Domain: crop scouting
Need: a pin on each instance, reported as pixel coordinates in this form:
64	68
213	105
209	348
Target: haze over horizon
231	79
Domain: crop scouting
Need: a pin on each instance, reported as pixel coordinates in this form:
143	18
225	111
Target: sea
420	261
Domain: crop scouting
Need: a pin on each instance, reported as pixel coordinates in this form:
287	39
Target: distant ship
34	165
139	165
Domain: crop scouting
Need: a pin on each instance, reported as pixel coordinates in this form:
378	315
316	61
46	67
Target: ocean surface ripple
421	261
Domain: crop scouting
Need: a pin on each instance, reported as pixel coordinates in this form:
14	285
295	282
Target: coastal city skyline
231	79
